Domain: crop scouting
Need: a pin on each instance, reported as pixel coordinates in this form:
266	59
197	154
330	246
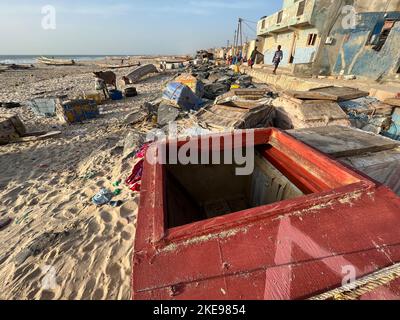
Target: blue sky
125	27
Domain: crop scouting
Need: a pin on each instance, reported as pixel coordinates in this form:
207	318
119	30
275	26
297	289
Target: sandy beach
46	189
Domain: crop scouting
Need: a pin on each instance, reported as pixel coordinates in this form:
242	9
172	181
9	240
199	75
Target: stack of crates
74	111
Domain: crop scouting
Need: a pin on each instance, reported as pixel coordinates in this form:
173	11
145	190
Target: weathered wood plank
340	141
393	102
341	93
310	95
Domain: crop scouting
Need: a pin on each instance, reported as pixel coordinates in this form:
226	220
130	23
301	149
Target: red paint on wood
293	249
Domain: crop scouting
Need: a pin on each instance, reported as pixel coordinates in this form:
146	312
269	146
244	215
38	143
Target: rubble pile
208	98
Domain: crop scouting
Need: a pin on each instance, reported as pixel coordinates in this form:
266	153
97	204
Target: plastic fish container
192	82
44	107
78	110
182	96
116	95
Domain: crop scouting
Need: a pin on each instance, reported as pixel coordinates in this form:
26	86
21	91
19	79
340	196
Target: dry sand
56	232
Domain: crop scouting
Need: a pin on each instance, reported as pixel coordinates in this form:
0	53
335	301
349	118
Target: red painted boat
295	228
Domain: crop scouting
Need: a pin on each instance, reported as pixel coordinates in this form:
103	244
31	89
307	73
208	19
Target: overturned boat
298	225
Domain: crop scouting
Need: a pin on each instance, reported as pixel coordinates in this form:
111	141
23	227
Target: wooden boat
293	229
118	66
55	62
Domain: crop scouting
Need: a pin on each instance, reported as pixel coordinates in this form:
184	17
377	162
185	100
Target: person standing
278	57
253	58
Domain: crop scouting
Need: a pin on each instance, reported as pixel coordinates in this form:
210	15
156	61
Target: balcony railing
300	13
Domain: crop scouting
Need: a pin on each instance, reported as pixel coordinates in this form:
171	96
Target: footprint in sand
89	289
47	295
98	294
106	216
127	236
129	209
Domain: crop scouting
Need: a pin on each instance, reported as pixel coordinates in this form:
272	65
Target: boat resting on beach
56	62
118	66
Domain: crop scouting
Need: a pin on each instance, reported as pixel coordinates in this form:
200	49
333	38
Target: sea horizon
31	59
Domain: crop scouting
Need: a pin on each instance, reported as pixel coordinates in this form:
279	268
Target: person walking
278	57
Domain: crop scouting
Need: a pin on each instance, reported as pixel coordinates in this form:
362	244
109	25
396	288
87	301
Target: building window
300	10
383	36
280	17
312	39
263	24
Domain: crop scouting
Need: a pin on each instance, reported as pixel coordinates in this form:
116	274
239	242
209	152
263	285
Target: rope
362	286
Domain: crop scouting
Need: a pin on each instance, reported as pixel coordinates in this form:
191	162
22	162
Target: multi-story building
335	37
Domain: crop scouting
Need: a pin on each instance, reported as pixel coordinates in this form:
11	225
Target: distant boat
118	66
55	62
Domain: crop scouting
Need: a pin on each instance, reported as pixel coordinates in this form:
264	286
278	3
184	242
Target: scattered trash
134	180
182	96
117	192
103	197
89	175
350	77
116	204
44	107
117	183
136	117
167	114
212	91
132	143
130	92
116	95
394	129
11	129
23	217
10	105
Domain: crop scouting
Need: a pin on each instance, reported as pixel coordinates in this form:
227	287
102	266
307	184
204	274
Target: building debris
12	130
294	113
394	129
232	111
372	154
340	93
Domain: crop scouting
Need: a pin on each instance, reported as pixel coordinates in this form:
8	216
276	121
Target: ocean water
24	59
